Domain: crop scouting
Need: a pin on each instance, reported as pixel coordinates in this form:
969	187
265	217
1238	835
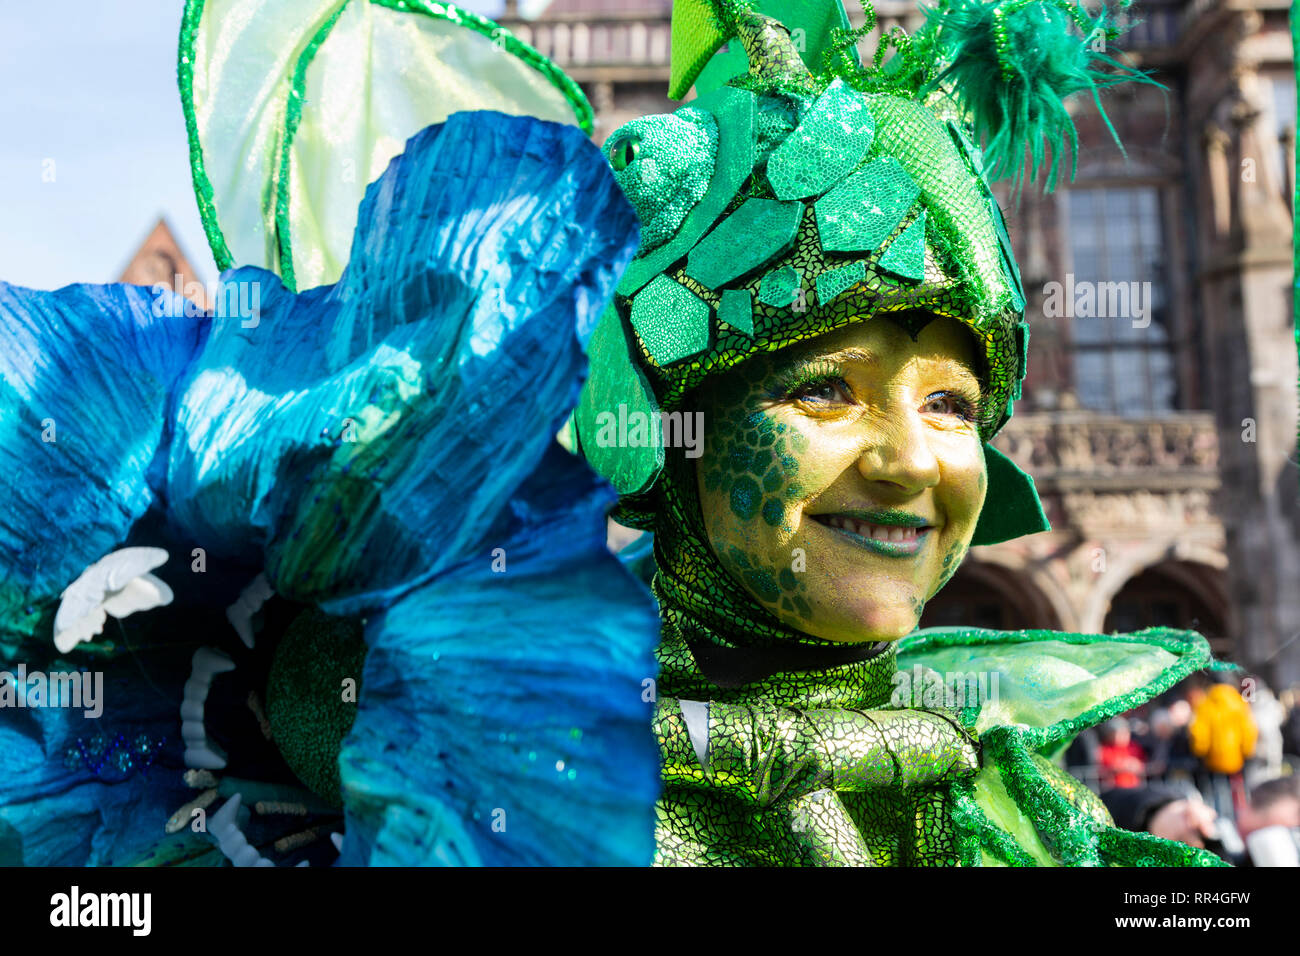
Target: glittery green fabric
737	310
667	187
305	696
832	139
1021	808
671	321
858	214
751	236
780	287
906	255
831	284
731	163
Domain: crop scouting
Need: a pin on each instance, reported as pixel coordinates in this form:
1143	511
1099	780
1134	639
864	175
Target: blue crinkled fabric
442	363
546	763
87	374
375	446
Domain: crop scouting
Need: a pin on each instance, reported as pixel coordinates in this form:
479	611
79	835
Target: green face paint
754	467
840	482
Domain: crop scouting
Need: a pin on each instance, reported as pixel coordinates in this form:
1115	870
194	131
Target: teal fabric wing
438	368
528	739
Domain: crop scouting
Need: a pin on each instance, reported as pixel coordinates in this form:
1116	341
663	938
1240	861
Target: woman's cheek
965	486
754	466
752	483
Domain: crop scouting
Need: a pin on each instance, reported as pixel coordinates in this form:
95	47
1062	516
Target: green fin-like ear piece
617	421
1011	506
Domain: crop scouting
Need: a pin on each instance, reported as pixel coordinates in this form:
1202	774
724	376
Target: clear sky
88	100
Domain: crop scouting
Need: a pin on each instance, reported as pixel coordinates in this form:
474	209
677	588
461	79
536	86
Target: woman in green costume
826	284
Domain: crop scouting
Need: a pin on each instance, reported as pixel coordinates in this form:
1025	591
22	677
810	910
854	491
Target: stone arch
1123	561
1174	593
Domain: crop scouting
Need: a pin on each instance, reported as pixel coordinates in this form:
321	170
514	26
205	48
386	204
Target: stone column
1245	284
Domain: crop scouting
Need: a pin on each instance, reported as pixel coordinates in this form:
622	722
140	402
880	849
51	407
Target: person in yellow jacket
1223	732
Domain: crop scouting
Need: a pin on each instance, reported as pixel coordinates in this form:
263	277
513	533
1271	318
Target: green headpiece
803	190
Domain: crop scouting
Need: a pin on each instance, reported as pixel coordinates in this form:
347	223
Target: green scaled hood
784	204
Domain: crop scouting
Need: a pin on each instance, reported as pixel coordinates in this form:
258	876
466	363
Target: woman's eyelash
968	406
805	377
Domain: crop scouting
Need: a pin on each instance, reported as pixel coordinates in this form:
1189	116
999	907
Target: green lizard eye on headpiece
803	190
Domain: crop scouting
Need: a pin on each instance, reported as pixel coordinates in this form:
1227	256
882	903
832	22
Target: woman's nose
900	455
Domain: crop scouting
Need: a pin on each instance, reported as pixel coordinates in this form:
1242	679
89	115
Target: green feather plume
1011	66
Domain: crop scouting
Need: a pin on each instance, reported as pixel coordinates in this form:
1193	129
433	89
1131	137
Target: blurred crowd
1214	762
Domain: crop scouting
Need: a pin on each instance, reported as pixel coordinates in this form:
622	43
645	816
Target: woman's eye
949	403
826	391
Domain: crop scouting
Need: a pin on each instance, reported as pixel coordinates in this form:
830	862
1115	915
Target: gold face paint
842	478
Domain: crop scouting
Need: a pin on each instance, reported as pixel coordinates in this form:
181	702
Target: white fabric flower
118	584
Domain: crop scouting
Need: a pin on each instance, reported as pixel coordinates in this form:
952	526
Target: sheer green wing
1054	682
1036	690
293	106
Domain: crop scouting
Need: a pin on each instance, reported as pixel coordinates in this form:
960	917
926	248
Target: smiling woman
861	451
825	276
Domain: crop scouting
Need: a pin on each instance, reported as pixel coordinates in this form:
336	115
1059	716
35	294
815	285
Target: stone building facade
1160	413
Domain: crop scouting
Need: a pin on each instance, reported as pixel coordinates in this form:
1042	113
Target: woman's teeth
876	531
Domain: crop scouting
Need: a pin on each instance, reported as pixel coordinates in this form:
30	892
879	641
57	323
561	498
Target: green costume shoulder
777	773
1030	693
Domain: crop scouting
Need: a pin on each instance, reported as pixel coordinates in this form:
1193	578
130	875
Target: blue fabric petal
336	430
65	799
362	439
86	378
512	699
